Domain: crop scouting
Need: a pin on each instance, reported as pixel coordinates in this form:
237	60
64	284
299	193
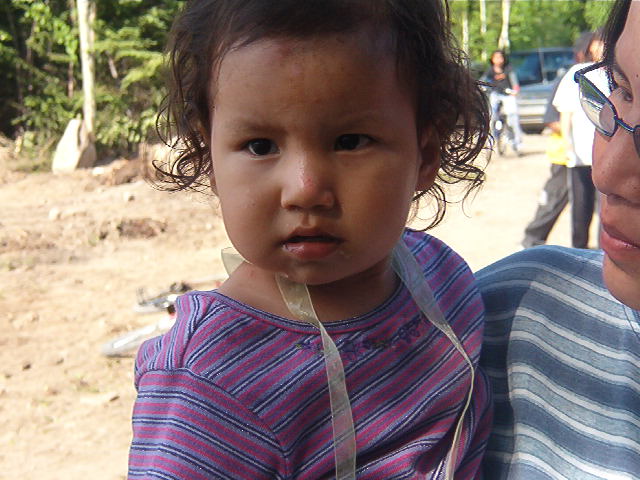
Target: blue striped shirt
563	357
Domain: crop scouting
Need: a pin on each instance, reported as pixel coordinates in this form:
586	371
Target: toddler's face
316	155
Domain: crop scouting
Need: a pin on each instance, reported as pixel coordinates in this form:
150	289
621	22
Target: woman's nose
307	182
616	166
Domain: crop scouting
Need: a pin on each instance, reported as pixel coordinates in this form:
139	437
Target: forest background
41	75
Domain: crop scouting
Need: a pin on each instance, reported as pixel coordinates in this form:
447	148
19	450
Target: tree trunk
483	29
76	148
86	19
71	81
503	41
465	28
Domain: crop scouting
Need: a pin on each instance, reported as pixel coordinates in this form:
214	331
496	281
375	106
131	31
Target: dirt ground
73	251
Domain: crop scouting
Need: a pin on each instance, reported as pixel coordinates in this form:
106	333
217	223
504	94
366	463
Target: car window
527	67
556	61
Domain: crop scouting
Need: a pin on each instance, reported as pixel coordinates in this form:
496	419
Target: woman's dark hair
448	99
613	29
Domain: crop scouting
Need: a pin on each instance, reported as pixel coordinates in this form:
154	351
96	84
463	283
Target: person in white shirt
578	133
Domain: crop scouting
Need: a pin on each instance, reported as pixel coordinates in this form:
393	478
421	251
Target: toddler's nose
307	183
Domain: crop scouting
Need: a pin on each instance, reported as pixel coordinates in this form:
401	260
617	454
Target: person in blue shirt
562	338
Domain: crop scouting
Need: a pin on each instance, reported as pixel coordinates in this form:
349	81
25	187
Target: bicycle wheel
128	343
512	141
159	301
501	137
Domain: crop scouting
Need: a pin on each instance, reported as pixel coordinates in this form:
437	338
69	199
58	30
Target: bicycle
163	301
502	131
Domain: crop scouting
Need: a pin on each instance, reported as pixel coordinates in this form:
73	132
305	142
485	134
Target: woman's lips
615	234
616	245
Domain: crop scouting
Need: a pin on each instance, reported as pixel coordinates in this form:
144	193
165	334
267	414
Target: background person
577	132
562	345
504	88
555	193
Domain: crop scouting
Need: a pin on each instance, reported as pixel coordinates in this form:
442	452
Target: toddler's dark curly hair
448	99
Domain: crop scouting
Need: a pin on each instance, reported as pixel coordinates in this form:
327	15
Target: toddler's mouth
310	247
312	238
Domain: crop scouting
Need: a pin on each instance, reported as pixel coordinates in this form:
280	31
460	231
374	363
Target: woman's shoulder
546	270
546	257
567	258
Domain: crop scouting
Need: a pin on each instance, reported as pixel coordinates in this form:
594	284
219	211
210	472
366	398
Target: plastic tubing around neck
296	297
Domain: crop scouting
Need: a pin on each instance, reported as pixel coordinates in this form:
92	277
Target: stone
71	153
54	214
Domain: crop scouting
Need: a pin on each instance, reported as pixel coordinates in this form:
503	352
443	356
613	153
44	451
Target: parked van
537	72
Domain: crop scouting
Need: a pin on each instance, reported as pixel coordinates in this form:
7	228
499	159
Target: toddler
343	345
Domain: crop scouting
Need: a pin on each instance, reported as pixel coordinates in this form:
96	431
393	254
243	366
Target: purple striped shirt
234	392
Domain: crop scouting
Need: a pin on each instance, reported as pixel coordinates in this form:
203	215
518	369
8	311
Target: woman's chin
623	285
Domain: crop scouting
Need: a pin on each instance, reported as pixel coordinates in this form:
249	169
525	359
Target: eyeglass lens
596	107
607	118
600	111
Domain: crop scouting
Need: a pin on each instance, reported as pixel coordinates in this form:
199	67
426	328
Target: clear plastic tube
410	273
298	300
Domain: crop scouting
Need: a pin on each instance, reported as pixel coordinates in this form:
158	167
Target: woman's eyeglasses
599	108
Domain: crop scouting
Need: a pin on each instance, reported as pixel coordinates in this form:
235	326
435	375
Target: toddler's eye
351	141
261	146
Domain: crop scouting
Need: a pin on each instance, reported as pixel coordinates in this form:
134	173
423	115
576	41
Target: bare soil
73	251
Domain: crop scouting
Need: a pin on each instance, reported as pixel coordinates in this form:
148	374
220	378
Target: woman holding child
562	337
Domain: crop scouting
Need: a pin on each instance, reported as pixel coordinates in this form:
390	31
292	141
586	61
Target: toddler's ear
212	181
429	159
206	138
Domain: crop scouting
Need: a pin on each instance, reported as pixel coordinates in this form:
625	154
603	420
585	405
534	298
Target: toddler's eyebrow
241	125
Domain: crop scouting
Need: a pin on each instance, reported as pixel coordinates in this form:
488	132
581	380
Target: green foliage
533	23
129	65
38	60
41	80
596	12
